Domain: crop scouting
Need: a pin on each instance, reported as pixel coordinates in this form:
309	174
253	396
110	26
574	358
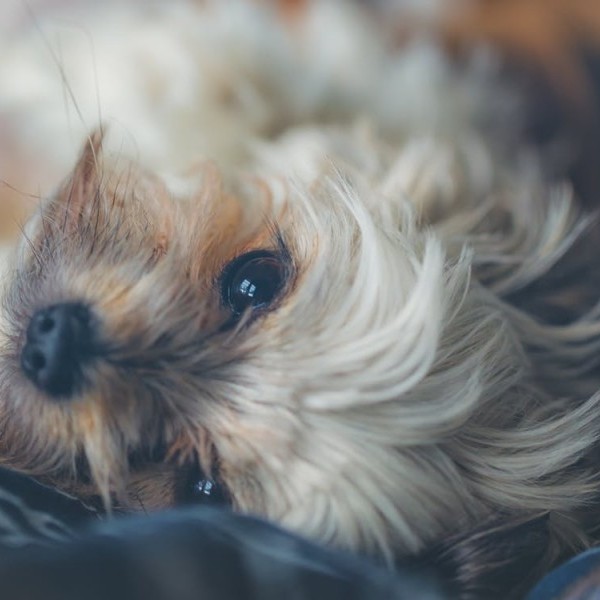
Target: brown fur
422	385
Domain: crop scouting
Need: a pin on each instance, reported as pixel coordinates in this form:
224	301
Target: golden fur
430	362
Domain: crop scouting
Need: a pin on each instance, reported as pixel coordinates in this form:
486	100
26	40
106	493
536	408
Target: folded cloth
54	548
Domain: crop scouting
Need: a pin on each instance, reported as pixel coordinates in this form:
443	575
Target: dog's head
309	352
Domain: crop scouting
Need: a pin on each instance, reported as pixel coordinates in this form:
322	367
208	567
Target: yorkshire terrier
332	284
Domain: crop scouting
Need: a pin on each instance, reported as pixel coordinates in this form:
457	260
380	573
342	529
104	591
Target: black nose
59	343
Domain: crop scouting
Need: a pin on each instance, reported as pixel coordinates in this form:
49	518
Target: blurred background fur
63	71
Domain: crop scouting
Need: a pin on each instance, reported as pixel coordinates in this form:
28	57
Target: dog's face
308	350
286	346
380	351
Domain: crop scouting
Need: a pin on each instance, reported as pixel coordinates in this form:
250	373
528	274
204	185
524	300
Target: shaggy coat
427	364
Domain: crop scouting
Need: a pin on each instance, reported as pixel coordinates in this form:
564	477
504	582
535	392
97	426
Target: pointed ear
86	170
84	183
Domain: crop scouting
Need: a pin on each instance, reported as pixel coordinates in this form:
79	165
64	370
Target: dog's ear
501	559
87	169
84	183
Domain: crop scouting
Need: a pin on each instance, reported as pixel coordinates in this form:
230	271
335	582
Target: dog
331	286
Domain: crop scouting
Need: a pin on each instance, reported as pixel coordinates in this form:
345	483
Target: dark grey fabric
54	548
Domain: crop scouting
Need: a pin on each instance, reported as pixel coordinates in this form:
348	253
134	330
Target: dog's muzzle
58	345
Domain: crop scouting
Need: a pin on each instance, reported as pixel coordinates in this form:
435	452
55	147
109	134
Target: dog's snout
58	344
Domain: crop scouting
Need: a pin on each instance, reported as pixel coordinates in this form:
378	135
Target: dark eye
253	280
198	489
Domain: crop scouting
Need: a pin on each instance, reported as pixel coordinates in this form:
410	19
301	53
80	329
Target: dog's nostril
33	359
59	343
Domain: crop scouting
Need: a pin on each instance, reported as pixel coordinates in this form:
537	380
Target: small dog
371	320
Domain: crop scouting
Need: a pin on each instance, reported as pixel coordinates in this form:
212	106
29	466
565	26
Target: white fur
174	84
401	392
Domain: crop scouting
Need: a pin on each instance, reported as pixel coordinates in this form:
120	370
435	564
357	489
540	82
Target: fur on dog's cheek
153	489
329	484
343	432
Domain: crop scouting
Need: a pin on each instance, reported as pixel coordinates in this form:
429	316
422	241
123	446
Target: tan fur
401	388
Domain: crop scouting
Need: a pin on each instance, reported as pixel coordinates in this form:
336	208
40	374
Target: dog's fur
430	362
